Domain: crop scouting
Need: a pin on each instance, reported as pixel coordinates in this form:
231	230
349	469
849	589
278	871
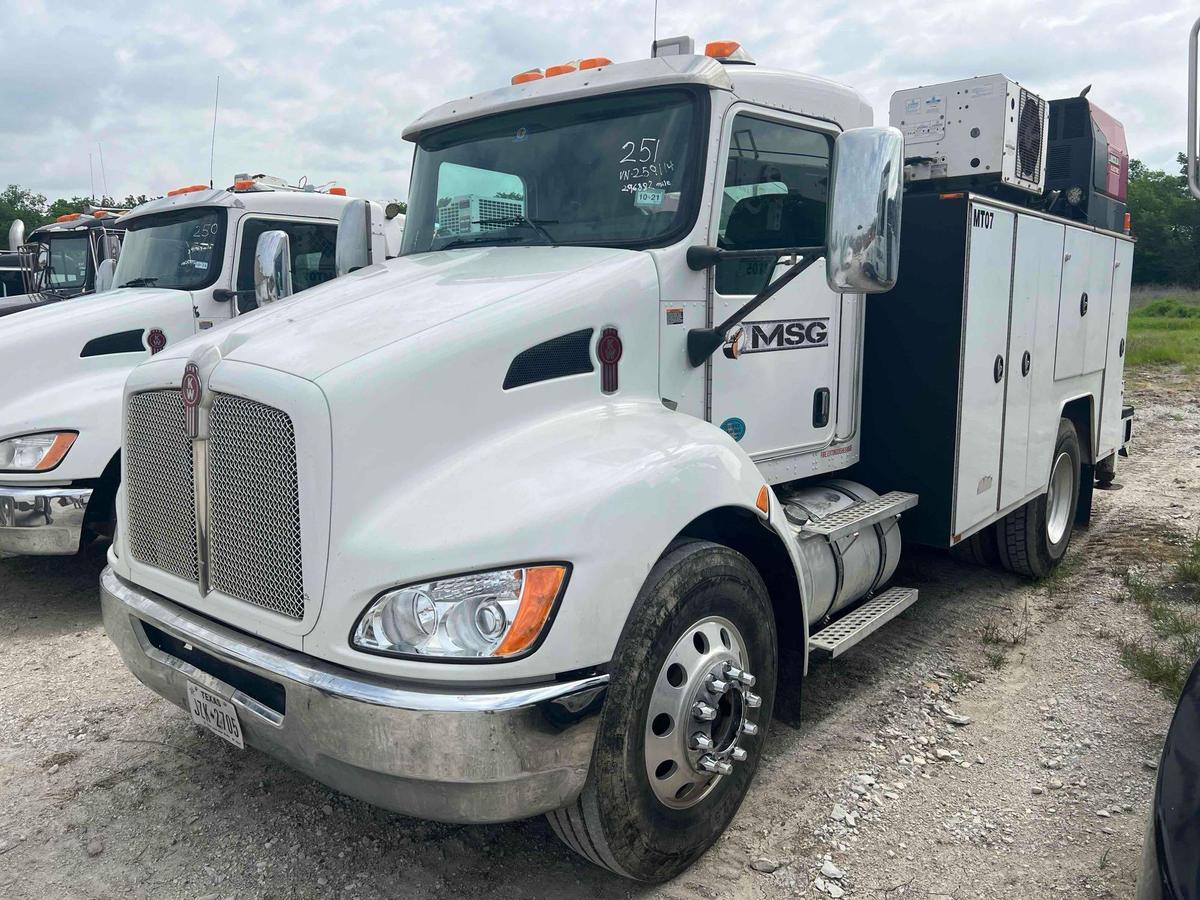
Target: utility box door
1030	427
1083	304
982	365
1112	433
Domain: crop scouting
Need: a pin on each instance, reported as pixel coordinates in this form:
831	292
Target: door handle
1083	304
998	368
1026	363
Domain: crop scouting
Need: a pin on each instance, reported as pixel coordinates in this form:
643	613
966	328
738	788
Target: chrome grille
158	484
254	505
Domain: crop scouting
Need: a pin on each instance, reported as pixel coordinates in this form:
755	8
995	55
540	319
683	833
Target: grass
1172	605
1164	328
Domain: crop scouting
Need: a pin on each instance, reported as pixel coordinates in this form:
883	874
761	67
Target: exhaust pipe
16	234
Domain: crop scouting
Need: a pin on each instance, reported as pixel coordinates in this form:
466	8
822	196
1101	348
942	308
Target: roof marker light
69	217
338	191
561	69
594	62
728	52
191	188
527	76
245	184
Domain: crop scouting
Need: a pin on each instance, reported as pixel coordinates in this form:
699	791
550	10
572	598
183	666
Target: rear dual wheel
679	740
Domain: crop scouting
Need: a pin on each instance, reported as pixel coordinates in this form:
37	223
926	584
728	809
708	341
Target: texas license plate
216	714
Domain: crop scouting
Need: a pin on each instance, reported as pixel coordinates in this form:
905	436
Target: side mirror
272	267
353	238
104	275
863	231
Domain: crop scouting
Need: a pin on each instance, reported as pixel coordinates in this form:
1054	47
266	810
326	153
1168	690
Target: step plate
839	636
864	514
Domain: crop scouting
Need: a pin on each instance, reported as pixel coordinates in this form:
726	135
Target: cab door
773	387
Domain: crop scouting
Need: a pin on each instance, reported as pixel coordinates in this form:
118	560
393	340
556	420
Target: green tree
18	203
1166	222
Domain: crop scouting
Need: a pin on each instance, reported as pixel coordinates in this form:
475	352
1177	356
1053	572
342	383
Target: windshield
63	260
619	170
181	249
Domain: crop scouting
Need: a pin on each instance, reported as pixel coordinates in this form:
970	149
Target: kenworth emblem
191	389
156	340
608	351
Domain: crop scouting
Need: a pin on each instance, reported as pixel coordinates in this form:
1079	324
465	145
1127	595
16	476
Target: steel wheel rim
687	750
1058	499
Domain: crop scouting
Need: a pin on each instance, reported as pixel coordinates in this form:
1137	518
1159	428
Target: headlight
494	615
35	452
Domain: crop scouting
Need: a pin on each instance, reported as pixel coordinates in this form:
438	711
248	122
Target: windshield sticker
521	135
649	198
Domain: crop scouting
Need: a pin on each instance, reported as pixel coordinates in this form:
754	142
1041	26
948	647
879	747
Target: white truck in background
67	258
186	266
542	516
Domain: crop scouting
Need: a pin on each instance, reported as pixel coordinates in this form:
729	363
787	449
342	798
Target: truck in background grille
254	505
251	487
158	484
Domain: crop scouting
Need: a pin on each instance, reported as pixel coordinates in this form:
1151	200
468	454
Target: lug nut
701	741
733	673
749	728
717	766
752	700
717	686
738	754
703	711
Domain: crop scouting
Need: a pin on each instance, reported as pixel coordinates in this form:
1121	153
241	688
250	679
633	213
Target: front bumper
39	521
452	756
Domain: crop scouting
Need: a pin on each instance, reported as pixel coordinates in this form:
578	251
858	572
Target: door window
313	247
776	195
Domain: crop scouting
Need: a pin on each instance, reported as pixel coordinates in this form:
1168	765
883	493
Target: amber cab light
561	69
191	188
594	62
338	191
69	217
530	75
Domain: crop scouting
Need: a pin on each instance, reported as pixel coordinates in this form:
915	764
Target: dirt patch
930	761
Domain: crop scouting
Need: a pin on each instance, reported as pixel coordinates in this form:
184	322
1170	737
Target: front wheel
1033	539
693	685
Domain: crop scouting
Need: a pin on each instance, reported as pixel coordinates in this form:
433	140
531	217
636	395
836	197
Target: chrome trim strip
377	690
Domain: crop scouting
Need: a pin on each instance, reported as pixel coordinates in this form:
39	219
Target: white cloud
324	89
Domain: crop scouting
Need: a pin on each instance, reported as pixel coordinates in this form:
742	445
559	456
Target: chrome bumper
466	757
38	521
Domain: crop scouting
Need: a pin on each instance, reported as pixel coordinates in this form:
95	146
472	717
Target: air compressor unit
985	134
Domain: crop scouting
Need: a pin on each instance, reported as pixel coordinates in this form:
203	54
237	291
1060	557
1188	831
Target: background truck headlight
492	615
35	452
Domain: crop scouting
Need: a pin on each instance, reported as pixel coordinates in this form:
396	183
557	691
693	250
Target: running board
842	634
857	516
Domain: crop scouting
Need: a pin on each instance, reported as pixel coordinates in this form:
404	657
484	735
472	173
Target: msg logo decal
777	334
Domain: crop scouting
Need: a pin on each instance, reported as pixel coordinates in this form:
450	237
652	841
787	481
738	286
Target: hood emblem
608	350
191	390
156	340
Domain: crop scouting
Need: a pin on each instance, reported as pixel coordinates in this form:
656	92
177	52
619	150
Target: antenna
212	150
654	37
91	177
103	174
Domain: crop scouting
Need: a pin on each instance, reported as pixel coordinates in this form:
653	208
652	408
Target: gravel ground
930	762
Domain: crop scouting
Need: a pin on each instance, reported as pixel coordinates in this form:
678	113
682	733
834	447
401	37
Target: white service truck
186	266
542	515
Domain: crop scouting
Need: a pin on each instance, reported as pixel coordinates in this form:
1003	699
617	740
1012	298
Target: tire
1033	539
620	821
980	549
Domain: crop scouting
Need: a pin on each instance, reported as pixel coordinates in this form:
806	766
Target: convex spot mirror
272	267
863	231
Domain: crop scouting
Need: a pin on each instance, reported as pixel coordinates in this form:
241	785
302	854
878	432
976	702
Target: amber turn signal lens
764	500
540	590
62	443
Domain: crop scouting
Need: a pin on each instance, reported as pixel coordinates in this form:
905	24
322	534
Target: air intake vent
1029	136
568	354
1058	162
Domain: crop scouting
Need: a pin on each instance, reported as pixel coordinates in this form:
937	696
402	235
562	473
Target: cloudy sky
325	88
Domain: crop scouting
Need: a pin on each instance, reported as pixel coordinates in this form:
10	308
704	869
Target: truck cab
547	510
186	266
67	258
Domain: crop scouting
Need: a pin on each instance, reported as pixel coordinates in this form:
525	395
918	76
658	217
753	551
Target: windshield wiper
140	282
535	224
483	240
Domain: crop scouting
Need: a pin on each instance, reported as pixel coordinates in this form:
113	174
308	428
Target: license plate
216	714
